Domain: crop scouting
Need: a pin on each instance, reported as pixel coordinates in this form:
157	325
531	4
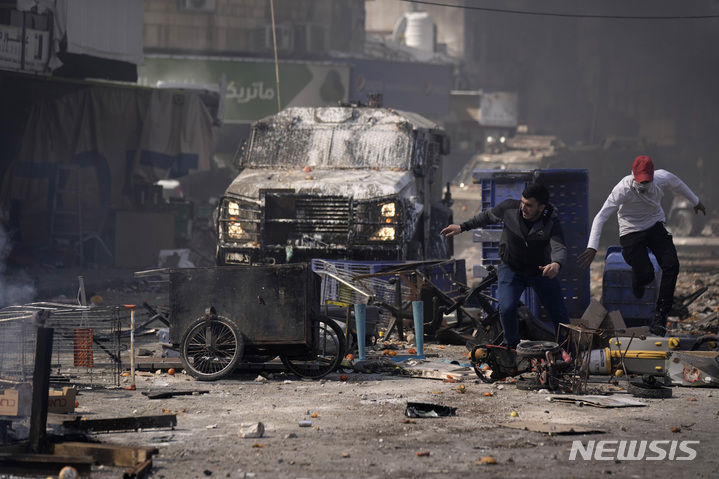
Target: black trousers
635	247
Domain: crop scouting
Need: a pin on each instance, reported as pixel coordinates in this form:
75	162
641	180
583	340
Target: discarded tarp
115	139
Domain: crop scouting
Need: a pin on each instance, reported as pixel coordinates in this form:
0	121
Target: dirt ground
358	426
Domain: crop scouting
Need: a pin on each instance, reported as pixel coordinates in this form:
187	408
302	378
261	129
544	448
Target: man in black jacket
532	251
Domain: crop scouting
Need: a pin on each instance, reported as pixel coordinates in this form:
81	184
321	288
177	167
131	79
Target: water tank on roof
418	31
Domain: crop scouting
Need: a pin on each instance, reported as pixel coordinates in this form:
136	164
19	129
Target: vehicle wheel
537	349
211	350
641	389
320	359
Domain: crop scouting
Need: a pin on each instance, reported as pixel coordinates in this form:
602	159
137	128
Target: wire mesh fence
87	342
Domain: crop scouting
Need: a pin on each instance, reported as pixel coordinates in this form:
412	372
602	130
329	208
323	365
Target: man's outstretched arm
585	259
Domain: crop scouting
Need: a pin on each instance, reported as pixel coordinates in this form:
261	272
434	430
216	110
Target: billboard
251	85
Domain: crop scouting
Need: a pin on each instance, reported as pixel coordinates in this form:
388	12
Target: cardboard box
17	401
596	319
62	402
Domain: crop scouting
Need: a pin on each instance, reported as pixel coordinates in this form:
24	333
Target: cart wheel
322	358
211	350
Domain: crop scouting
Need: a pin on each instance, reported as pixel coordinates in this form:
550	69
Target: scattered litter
416	409
251	430
306	423
487	460
436	370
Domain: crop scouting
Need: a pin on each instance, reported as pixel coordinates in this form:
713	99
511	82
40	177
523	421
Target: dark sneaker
659	324
657	331
637	287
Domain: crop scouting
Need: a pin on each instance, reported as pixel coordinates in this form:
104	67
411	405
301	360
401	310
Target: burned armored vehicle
348	182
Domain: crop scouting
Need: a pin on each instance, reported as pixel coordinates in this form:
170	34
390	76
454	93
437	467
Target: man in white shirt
637	201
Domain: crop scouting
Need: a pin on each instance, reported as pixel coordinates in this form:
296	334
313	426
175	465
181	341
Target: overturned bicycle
549	363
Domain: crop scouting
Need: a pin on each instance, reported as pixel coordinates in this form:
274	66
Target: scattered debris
121	423
552	429
252	430
435	370
598	401
416	409
169	394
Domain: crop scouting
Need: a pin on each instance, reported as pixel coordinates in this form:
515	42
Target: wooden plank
123	423
172	393
108	455
138	471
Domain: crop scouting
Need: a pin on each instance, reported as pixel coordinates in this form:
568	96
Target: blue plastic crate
617	289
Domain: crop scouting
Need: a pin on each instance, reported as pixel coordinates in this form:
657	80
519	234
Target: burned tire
322	358
211	349
641	389
711	340
538	349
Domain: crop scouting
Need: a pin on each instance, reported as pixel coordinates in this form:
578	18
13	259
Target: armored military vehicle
352	182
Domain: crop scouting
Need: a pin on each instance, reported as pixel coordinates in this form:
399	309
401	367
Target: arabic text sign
251	91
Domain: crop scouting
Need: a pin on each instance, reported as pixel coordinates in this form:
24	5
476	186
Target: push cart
221	317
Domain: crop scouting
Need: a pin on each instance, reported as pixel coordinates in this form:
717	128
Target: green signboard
251	85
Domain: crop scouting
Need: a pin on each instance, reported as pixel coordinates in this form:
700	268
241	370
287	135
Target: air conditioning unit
198	5
285	38
312	38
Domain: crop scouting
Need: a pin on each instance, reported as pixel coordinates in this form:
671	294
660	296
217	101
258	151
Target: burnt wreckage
347	182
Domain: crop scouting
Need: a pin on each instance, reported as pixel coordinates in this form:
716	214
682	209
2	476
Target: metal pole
277	68
398	305
418	311
360	320
40	391
132	346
